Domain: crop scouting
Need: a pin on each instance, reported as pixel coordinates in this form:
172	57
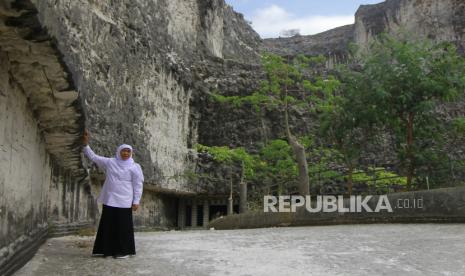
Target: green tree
408	78
345	121
229	156
278	166
288	85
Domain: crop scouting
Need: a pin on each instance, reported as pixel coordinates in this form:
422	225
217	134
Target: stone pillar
206	212
243	197
194	213
230	206
181	213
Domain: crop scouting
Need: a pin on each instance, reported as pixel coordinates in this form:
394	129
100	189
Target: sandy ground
391	249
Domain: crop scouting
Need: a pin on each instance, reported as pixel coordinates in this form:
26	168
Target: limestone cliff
442	20
331	43
133	62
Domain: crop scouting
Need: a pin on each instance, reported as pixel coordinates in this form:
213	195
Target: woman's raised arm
97	159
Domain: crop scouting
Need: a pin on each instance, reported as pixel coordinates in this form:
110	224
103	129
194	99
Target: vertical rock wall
25	167
42	181
36	192
441	20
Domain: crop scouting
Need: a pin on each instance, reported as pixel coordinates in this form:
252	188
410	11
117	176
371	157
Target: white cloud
271	21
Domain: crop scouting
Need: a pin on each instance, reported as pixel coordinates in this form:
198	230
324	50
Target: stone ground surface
391	249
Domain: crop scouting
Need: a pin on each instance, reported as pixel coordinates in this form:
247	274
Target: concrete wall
439	205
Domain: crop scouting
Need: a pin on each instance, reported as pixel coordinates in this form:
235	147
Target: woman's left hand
135	206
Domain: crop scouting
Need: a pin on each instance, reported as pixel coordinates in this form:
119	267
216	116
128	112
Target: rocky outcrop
441	20
36	67
332	43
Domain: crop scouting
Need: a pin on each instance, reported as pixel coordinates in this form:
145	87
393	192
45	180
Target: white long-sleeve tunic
123	182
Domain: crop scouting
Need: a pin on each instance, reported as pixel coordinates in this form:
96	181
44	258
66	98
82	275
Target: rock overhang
36	66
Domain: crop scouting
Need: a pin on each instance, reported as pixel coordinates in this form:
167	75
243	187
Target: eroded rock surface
441	20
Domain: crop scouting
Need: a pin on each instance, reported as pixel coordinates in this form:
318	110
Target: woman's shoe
121	256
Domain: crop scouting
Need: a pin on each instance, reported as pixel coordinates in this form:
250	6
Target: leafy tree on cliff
346	122
407	80
290	84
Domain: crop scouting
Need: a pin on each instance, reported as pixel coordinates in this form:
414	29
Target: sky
271	17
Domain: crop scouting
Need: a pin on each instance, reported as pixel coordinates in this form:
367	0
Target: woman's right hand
85	137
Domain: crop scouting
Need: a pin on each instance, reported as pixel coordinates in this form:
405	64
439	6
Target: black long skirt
115	235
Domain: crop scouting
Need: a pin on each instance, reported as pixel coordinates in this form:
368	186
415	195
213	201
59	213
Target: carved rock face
135	63
37	67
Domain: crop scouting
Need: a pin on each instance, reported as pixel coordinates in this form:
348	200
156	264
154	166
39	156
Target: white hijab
135	168
124	163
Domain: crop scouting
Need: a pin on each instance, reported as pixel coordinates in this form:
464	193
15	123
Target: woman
121	192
